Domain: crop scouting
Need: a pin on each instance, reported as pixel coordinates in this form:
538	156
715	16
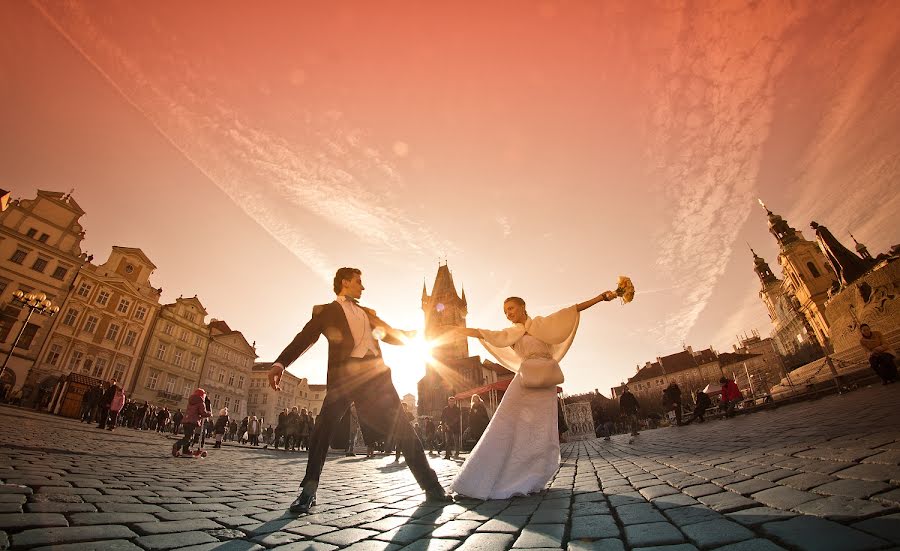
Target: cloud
505	226
711	113
332	174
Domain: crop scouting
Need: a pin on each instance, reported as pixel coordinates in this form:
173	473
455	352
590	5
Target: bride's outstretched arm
468	331
602	297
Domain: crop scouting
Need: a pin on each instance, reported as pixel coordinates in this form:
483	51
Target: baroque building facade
104	323
175	352
40	252
228	367
266	403
808	277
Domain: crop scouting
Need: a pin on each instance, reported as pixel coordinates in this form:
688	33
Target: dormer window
31	233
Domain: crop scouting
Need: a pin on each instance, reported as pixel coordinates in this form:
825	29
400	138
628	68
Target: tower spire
861	249
779	227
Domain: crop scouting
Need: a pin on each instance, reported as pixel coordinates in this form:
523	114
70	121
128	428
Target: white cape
557	330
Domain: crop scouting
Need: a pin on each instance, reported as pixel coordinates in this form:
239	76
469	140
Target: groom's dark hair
517	300
341	275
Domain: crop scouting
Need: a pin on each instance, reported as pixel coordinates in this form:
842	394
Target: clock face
129	268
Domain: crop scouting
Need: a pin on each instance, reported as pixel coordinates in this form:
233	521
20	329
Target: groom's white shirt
360	328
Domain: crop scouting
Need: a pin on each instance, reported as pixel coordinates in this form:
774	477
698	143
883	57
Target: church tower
807	275
445	308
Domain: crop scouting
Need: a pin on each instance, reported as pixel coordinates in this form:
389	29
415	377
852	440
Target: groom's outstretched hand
275	374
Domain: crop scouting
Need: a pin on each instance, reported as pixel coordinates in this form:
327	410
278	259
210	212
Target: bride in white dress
519	451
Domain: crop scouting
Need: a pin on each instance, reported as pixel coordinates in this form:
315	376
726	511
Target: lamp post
35	303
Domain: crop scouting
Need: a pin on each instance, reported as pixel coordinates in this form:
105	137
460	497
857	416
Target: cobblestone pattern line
815	476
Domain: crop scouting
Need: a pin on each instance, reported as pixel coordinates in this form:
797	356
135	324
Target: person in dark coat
430	436
105	401
478	418
162	417
88	402
672	400
293	427
451	419
176	421
628	408
703	403
306	427
220	427
243	429
403	416
280	428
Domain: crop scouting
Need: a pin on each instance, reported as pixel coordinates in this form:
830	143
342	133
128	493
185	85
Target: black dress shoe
438	495
303	503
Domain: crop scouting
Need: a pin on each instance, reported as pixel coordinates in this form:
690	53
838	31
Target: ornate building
793	337
228	367
40	251
453	369
266	403
102	326
807	275
170	368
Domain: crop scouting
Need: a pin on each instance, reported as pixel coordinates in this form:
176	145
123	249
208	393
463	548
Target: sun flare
408	362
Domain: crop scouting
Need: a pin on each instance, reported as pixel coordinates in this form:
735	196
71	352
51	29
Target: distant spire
762	269
463	297
779	227
861	249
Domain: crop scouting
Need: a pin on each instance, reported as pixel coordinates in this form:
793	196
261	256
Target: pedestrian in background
115	406
880	358
220	427
702	404
430	438
731	396
105	401
195	413
672	400
478	418
254	427
451	418
628	408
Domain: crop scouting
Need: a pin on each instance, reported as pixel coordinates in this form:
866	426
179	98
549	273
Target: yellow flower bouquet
625	289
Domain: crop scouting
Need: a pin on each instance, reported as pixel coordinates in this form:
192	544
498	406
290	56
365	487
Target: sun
408	362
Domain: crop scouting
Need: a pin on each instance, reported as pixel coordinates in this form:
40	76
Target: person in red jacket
731	396
195	413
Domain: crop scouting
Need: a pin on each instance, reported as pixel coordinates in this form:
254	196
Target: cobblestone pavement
818	476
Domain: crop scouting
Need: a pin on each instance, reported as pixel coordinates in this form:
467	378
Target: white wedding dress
519	451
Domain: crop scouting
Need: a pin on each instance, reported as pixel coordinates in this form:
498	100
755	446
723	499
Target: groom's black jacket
330	320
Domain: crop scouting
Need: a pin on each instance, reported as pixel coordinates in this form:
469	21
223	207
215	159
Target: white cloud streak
335	177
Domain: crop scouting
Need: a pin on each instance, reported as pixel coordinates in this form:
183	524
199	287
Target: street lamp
35	303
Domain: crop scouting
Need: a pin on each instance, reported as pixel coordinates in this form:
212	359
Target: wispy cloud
711	115
505	226
334	175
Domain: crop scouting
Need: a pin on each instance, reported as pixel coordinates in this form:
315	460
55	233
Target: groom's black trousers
367	383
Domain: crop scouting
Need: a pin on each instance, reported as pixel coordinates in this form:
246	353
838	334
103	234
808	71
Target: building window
221	375
152	379
812	269
265	398
27	336
40	265
130	337
31	232
215	402
99	368
140	313
103	298
8	317
192	365
84	289
186	390
18	257
317	396
122	308
168	329
237	407
70	318
179	357
241	381
118	372
59	273
88	363
113	332
54	354
43	238
170	384
161	352
231	379
91	324
197	341
75	360
227	401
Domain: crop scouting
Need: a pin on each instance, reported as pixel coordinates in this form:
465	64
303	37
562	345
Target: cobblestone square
812	476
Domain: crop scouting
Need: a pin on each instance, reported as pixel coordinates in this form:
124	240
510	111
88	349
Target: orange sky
544	148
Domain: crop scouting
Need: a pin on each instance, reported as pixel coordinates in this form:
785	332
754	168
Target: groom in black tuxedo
356	374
